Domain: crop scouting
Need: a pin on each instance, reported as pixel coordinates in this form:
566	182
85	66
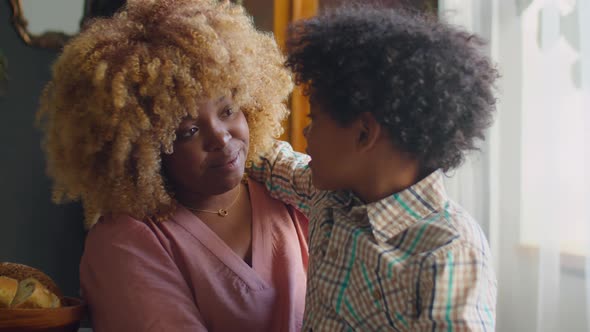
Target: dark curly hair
426	82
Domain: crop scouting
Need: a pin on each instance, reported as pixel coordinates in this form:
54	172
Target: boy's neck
386	176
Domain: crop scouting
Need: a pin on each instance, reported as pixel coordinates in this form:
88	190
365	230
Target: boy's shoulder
451	229
423	220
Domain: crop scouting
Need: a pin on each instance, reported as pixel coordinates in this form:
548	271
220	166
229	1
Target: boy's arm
286	175
457	292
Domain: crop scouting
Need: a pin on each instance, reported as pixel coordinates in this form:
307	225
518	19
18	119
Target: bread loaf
8	288
32	294
21	272
22	286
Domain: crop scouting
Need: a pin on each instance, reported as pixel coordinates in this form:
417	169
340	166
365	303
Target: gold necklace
221	212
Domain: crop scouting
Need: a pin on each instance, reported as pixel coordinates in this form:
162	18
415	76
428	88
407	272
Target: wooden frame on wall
49	39
57	39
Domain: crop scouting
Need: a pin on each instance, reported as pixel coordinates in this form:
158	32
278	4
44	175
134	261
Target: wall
33	230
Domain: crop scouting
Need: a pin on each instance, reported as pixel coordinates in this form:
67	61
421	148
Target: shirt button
377	295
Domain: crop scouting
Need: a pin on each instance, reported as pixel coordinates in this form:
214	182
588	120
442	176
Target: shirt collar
391	215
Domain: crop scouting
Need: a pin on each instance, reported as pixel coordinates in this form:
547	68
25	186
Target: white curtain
469	184
530	186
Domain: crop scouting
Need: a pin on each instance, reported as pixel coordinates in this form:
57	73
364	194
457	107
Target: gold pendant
222	212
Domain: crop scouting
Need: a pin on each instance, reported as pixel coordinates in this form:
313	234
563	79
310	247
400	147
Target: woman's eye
190	132
228	112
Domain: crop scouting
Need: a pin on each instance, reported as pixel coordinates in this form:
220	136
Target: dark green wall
33	230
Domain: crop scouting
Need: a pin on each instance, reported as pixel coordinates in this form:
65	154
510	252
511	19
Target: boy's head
388	82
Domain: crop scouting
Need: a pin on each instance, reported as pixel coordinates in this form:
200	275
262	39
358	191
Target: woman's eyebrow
222	100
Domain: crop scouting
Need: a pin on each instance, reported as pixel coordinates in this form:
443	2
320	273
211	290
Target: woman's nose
217	138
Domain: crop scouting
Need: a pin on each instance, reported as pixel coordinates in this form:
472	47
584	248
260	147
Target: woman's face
210	151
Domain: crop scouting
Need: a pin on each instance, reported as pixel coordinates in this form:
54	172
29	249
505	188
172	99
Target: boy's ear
369	131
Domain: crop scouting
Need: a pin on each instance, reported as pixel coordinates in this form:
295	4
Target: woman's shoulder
116	230
261	195
280	214
112	224
125	239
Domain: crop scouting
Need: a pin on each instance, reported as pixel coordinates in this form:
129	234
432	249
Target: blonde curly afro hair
122	86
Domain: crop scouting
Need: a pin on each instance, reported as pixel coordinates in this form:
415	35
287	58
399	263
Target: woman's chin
218	180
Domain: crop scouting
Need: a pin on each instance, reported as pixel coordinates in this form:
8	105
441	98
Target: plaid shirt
413	261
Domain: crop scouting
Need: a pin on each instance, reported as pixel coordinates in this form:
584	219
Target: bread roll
32	294
8	288
21	272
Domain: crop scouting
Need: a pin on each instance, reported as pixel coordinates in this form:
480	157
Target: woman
149	120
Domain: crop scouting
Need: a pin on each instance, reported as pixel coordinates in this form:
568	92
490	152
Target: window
555	138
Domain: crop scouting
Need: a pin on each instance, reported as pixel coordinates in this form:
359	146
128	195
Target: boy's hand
286	175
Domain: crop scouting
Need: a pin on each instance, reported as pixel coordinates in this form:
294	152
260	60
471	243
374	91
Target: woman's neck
203	201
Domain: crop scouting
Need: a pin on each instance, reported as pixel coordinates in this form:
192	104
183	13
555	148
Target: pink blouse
180	276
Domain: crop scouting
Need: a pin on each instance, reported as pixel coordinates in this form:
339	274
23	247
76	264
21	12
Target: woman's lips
233	163
228	163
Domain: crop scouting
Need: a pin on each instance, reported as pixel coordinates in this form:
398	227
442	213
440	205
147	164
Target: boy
396	100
